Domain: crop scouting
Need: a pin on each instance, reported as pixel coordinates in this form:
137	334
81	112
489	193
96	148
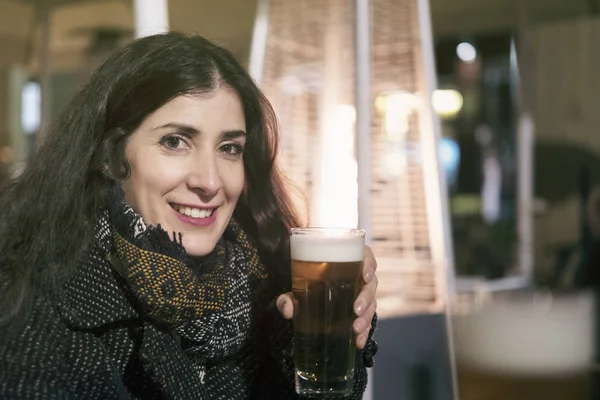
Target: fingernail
368	276
361	341
359	325
280	303
360	307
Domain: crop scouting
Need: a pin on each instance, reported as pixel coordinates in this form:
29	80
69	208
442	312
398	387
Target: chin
195	251
199	250
201	242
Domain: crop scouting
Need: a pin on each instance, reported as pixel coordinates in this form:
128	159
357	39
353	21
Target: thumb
285	305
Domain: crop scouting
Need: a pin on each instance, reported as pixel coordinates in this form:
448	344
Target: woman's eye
232	149
173	142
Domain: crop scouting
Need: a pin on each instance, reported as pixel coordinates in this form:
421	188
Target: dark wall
413	359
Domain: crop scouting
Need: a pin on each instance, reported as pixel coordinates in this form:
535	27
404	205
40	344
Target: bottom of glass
311	388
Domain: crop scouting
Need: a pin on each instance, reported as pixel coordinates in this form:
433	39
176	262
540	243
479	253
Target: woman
144	249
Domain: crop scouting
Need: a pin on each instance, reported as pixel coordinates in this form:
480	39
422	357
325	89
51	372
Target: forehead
220	109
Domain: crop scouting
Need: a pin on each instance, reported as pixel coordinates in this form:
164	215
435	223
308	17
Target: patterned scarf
207	303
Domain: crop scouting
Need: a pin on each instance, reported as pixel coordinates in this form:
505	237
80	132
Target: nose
204	174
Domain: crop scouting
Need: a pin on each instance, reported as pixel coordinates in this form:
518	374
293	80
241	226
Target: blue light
31	113
449	153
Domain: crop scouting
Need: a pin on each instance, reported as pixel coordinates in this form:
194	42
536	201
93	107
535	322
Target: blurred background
471	153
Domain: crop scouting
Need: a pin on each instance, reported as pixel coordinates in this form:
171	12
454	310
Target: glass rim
329	232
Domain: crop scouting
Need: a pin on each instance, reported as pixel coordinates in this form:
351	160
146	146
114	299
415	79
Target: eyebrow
234	134
191	131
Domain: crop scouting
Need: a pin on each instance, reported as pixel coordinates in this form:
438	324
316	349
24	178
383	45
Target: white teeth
193	212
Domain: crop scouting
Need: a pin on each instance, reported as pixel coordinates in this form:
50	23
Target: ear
116	172
112	156
106	172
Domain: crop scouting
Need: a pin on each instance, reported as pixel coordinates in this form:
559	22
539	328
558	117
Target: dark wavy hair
48	214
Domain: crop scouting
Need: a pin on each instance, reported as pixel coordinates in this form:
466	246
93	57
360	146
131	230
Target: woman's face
187	170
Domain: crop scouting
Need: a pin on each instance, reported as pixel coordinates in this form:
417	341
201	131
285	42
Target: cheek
240	183
151	178
233	182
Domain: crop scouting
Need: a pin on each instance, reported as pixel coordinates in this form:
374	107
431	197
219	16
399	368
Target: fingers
362	325
285	305
369	265
366	296
365	307
361	341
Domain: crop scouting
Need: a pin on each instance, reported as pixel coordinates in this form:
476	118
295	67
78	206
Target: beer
326	279
523	348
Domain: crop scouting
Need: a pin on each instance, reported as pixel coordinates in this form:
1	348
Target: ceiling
451	17
230	22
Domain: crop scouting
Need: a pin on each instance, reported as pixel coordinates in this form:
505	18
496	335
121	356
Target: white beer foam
320	248
514	338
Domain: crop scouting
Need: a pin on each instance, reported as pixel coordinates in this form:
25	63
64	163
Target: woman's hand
364	305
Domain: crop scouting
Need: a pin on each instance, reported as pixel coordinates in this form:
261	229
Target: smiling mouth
193	212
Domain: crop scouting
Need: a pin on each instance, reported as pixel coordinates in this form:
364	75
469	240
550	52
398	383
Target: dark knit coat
95	342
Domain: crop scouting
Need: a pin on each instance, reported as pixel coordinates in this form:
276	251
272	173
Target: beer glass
523	346
326	279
